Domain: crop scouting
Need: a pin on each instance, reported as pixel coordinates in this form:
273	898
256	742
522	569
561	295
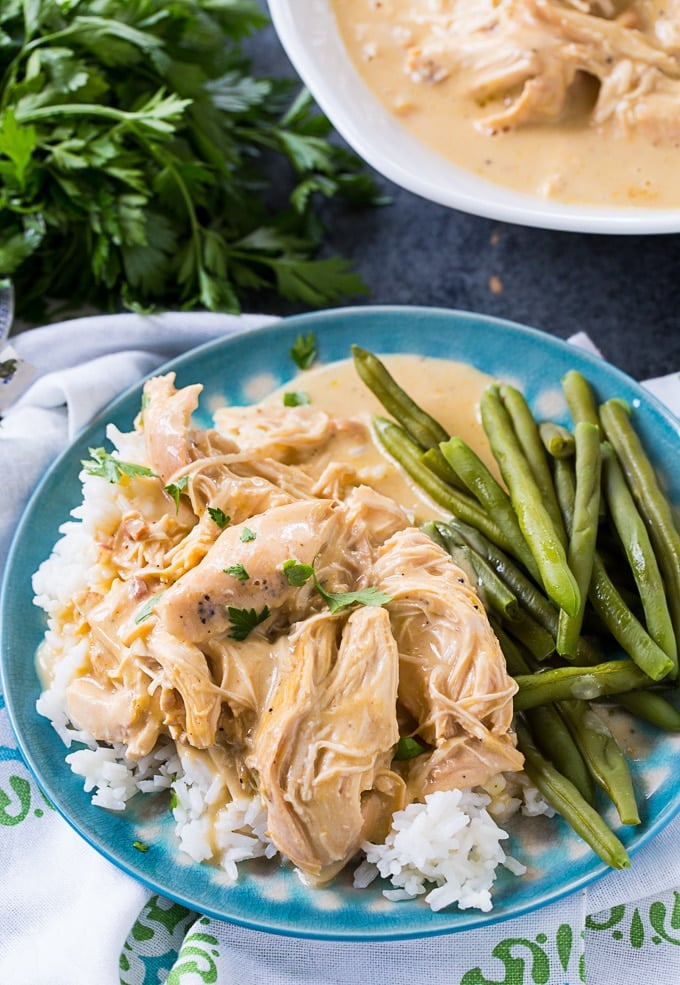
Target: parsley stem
195	225
71	109
102	25
90	110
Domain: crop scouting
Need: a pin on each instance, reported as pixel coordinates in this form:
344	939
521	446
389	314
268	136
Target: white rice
114	779
212	827
446	850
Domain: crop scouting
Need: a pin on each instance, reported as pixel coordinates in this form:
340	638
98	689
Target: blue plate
271	897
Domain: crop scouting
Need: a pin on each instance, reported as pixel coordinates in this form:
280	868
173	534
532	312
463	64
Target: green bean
423	428
651	707
654	507
529	596
516	660
585	519
534	520
521	625
529	438
537	640
526	591
490	494
566	799
494	593
547	725
435	461
586	683
603	757
558	441
407	453
609	605
565	488
637	545
438	533
626	629
580	399
557	743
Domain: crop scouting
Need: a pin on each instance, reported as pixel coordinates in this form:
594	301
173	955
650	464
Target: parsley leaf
237	571
304	351
147	608
316	282
175	490
8	368
218	516
365	596
244	621
247	535
113	469
408	748
296	398
298	574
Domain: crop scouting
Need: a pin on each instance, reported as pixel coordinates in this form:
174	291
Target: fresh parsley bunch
134	143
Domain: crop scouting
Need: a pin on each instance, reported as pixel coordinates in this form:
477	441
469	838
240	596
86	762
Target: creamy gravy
449	391
572	160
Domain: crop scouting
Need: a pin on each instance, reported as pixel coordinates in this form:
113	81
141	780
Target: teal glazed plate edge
270	897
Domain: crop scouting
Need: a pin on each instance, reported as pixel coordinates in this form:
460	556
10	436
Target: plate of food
533	113
286	635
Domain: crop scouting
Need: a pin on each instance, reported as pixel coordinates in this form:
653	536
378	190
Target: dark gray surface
624	291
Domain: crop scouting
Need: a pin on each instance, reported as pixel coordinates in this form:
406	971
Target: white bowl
307	31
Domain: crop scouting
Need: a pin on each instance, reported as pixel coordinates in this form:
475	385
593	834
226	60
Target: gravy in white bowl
574	101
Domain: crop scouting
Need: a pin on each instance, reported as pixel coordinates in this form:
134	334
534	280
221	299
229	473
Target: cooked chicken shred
204	636
526	59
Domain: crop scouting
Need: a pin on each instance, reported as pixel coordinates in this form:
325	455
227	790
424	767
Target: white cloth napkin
69	917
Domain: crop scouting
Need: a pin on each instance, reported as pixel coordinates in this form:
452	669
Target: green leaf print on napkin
536	962
639	925
197	958
154	942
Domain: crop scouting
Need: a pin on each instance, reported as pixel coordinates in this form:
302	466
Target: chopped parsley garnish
218	516
141	846
304	351
298	574
408	748
247	535
244	621
113	469
237	571
8	368
175	490
296	398
147	608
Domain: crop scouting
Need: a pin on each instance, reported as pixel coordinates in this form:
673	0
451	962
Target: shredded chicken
203	634
275	432
525	59
324	747
166	424
452	674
